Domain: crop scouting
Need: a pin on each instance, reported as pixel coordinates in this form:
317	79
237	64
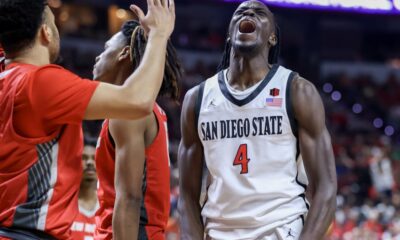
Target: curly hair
20	20
136	38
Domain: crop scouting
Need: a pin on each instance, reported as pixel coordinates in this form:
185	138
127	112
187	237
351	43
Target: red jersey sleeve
59	96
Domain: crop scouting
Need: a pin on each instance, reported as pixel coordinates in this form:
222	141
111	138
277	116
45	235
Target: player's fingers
164	3
150	3
157	3
136	10
172	6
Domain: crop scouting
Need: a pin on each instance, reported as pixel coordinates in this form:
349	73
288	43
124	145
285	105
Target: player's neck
245	72
37	55
88	195
122	74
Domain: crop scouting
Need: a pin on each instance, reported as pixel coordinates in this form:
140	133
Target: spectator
84	225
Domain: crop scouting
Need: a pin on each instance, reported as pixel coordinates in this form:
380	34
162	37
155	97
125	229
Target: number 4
242	159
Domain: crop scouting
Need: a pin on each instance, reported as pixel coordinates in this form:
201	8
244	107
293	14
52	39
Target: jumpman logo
212	103
290	234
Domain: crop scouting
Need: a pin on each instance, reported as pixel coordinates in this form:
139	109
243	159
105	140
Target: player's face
88	163
251	27
106	67
54	46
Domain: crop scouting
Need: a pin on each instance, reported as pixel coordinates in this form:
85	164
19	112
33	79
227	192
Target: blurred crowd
367	156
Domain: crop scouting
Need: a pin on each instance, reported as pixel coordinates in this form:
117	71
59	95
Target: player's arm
317	153
129	163
190	160
136	97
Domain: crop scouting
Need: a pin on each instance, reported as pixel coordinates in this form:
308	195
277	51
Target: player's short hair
89	141
20	20
136	38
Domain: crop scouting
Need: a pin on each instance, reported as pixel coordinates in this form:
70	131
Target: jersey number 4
242	159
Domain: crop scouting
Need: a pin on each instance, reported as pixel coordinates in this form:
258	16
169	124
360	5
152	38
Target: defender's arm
129	164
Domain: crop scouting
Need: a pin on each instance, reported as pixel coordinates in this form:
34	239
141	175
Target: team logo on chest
274	101
274	92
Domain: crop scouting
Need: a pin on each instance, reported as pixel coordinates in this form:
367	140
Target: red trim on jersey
157	194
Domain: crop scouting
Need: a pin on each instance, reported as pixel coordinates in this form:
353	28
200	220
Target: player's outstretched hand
160	18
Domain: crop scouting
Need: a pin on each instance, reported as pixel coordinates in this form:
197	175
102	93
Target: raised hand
160	18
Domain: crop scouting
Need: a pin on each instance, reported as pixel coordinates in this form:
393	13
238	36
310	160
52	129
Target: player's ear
273	40
124	54
45	34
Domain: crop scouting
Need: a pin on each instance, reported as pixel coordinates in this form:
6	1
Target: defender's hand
160	18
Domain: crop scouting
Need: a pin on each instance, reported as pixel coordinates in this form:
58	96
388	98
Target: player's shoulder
192	94
51	73
195	94
50	76
304	95
52	69
302	86
299	84
196	90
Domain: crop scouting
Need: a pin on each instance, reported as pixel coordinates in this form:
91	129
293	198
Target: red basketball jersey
41	142
156	184
84	225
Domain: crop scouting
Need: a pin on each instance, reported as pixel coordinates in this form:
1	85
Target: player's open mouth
247	26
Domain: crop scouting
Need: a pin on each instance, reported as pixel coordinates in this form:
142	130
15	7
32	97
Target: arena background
348	48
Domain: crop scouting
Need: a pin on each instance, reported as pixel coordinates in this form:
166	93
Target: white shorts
289	231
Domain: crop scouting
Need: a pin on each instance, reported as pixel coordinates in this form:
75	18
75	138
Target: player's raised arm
317	153
190	160
135	98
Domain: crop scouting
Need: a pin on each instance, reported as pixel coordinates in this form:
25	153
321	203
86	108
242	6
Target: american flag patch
274	102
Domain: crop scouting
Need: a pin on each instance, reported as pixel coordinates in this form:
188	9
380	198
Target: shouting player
41	110
249	123
84	223
132	157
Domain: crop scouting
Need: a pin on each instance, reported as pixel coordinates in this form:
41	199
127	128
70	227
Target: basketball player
249	123
84	223
41	110
132	156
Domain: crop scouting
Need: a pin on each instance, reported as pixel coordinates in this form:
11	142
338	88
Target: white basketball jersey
252	153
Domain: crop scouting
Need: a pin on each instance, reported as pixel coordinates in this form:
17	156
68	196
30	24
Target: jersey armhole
197	106
289	105
290	112
160	128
